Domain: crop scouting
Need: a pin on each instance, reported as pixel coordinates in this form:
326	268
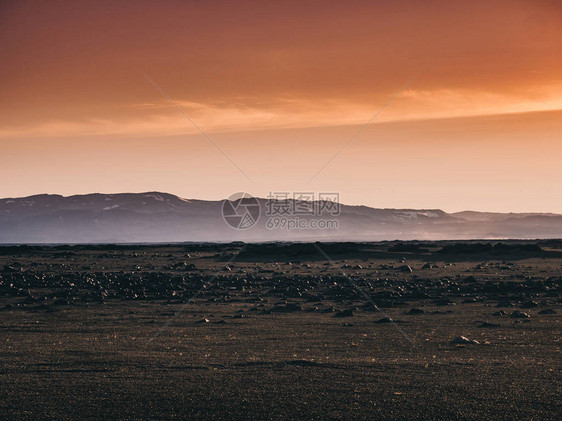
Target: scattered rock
488	324
11	269
61	302
387	320
344	313
287	308
548	311
529	304
499	313
519	315
463	340
405	268
442	302
414	311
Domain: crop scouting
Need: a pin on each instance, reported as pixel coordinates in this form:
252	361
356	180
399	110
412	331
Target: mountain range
162	217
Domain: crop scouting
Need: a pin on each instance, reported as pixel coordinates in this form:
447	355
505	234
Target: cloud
251	113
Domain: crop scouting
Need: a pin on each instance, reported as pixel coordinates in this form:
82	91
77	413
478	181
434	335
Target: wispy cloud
250	113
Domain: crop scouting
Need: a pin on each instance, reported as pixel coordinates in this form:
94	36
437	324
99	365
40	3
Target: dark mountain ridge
163	217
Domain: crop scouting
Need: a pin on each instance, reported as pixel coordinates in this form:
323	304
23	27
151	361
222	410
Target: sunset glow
280	88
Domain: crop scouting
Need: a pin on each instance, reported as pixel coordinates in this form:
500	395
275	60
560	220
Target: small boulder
386	320
291	307
413	311
519	315
488	324
548	311
529	304
463	340
61	302
344	313
287	308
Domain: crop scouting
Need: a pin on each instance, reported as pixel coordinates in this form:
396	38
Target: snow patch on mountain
155	197
416	214
111	207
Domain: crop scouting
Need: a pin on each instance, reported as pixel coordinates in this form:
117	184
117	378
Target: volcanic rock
344	313
548	311
519	315
414	311
463	340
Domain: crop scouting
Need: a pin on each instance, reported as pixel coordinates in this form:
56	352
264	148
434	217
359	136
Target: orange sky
280	87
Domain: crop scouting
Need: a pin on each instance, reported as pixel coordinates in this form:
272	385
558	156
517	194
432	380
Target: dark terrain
282	331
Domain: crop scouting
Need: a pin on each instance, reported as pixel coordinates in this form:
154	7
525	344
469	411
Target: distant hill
162	217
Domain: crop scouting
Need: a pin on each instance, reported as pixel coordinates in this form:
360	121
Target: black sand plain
282	331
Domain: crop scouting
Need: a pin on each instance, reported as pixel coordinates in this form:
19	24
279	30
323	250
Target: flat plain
282	331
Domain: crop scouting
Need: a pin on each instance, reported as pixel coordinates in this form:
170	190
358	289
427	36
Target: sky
207	98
